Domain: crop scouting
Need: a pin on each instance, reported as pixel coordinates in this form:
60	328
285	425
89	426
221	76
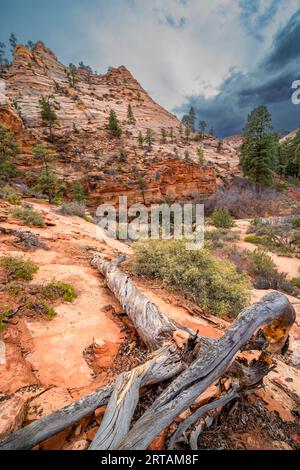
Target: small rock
12	414
2	353
91	433
82	444
105	352
56	442
99	413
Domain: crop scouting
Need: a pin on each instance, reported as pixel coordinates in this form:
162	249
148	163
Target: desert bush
73	208
263	269
18	268
257	240
9	194
282	237
242	199
218	237
3	317
211	283
221	218
43	308
296	223
59	290
296	282
14	288
28	216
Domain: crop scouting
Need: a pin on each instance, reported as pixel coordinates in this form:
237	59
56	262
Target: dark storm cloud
269	84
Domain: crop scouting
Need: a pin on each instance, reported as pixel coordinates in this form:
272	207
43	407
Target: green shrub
57	289
89	218
211	283
9	194
3	318
17	268
73	208
223	235
296	282
43	308
296	223
28	216
264	271
14	288
257	239
221	218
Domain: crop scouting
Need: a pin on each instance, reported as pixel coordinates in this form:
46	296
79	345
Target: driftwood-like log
152	325
273	310
165	364
188	422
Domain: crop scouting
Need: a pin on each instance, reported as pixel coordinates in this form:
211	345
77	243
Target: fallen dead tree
195	367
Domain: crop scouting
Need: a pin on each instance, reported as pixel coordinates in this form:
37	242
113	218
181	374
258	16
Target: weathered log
273	310
188	422
152	325
165	364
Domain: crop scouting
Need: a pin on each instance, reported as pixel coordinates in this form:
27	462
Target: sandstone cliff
86	151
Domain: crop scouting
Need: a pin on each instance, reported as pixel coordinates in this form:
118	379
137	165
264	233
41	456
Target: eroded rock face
87	152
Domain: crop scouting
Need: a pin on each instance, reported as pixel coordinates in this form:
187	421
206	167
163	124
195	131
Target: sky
223	57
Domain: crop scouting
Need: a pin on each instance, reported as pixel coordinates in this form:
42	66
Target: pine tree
48	114
72	75
150	138
187	133
171	135
212	131
130	116
220	146
163	135
13	42
9	149
142	185
113	125
200	155
187	157
79	194
259	147
47	181
30	45
122	156
288	157
3	60
192	115
202	127
141	139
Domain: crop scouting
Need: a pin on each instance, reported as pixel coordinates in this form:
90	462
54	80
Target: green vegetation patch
59	290
18	268
211	283
28	216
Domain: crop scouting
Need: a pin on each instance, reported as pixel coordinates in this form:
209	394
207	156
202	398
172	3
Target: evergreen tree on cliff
113	124
48	114
259	147
13	42
130	116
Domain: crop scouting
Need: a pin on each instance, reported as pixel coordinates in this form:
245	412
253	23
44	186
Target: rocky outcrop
86	151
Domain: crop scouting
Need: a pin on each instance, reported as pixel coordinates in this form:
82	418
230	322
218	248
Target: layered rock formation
86	151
